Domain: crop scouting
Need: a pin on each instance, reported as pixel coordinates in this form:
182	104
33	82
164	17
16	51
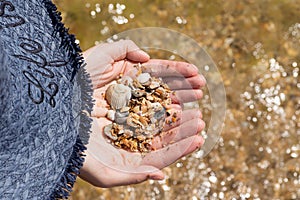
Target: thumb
117	51
127	49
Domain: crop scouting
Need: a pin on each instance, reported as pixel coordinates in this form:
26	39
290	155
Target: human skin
107	166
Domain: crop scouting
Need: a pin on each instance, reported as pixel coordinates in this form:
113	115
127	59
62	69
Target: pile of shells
137	109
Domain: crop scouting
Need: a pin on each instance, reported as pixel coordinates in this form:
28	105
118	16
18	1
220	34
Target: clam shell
144	79
118	95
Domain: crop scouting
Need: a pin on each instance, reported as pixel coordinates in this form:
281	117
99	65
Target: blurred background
256	46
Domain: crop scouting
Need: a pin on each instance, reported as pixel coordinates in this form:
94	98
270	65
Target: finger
179	83
104	74
165	68
177	117
99	112
136	175
187	129
168	155
126	49
184	96
101	175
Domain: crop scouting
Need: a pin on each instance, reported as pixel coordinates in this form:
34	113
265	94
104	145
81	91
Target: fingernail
144	53
156	177
203	79
194	66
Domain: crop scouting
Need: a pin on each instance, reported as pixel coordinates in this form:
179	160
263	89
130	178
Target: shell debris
139	107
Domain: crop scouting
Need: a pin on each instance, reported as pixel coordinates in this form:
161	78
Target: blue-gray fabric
40	119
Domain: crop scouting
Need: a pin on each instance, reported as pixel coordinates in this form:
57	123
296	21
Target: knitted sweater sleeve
44	90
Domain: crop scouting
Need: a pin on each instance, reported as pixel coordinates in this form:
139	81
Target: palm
107	165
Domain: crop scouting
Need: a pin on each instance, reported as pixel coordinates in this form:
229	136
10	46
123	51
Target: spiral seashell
118	96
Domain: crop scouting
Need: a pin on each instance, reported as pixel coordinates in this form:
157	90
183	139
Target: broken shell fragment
138	93
111	115
126	80
108	131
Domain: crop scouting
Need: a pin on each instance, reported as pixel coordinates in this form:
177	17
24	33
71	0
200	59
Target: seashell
121	131
144	79
160	114
141	137
121	114
121	117
121	120
118	95
144	108
109	133
144	121
136	109
125	109
134	122
149	97
156	106
128	133
111	115
154	85
135	116
126	80
138	93
161	92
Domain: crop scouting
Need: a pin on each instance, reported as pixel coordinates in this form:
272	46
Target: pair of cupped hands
107	166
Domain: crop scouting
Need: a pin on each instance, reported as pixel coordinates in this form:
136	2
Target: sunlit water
256	46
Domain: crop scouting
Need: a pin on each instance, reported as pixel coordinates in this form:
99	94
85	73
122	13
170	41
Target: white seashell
121	117
111	115
108	132
118	95
154	85
124	109
126	80
160	114
144	78
156	106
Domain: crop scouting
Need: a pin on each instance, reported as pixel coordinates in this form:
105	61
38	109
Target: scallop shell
118	95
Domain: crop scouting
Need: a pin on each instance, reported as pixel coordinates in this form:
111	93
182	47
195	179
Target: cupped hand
108	166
